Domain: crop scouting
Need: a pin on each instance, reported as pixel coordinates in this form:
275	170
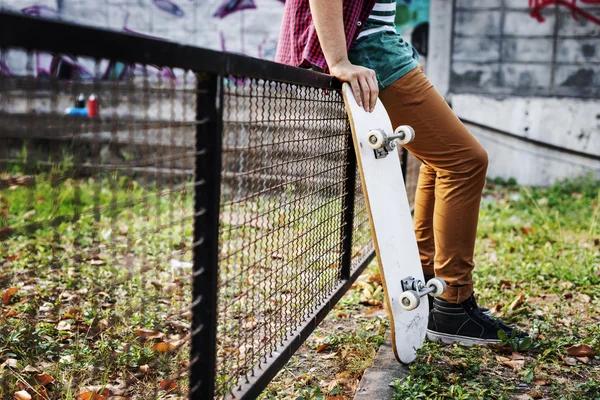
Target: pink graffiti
576	11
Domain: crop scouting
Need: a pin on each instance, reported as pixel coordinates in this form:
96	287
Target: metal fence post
348	206
209	127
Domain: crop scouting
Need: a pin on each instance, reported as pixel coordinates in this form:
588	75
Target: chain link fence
173	221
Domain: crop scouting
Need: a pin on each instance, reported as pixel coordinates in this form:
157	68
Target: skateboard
391	224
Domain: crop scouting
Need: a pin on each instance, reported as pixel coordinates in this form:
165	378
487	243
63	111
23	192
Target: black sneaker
483	309
464	323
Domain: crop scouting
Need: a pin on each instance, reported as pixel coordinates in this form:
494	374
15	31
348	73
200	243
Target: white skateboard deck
391	226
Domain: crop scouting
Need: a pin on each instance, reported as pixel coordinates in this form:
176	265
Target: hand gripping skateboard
391	224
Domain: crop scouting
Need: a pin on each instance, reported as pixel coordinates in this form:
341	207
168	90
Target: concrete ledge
375	383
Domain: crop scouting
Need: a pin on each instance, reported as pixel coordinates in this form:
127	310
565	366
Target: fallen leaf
526	230
90	396
583	350
10	362
329	356
163	347
8	294
541	382
22	395
63	326
250	325
506	284
517	302
583	360
44	379
516	365
11	313
145	368
373	310
371	302
585	298
149	334
536	394
342	375
376	278
338	397
29	368
28	214
322	347
570	361
168	384
517	356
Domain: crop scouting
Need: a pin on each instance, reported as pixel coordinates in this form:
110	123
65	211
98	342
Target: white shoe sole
447	338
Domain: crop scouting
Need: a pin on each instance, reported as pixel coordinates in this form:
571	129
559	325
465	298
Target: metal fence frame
18	31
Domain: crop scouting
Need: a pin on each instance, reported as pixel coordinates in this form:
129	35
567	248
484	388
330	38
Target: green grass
85	287
543	243
91	260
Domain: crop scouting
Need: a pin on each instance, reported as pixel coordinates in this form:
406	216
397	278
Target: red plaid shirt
298	42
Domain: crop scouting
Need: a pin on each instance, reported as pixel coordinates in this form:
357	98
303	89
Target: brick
526	76
476	49
478	4
568	26
466	75
527	49
578	76
578	50
520	23
477	23
517	4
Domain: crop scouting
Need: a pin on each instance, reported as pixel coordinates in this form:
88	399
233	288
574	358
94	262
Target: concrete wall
515	47
527	67
249	27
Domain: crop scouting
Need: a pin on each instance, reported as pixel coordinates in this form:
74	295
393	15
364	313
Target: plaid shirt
298	42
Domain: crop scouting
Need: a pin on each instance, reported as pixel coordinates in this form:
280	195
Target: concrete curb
375	382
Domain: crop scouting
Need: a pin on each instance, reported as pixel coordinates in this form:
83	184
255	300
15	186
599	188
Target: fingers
356	90
374	90
370	89
366	92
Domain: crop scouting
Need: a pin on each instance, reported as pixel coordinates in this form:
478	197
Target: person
356	41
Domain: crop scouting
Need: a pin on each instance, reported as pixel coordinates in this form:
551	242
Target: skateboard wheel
406	133
438	284
375	139
410	300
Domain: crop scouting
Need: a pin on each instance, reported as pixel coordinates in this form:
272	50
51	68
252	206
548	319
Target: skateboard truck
413	289
382	144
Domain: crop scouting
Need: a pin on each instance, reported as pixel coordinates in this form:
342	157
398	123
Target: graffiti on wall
577	12
412	21
266	48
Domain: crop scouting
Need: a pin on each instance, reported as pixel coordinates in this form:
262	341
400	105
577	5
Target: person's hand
362	80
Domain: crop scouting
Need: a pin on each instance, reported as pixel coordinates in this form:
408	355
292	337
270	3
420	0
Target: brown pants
450	184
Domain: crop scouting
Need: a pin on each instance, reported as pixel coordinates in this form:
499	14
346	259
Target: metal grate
199	227
284	149
96	221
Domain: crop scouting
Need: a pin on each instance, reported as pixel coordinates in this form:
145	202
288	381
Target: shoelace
494	322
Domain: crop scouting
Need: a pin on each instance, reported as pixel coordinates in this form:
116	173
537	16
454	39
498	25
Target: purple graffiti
169	6
40	11
231	6
4	70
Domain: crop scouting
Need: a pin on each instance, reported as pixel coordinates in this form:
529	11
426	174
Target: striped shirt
380	48
381	18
